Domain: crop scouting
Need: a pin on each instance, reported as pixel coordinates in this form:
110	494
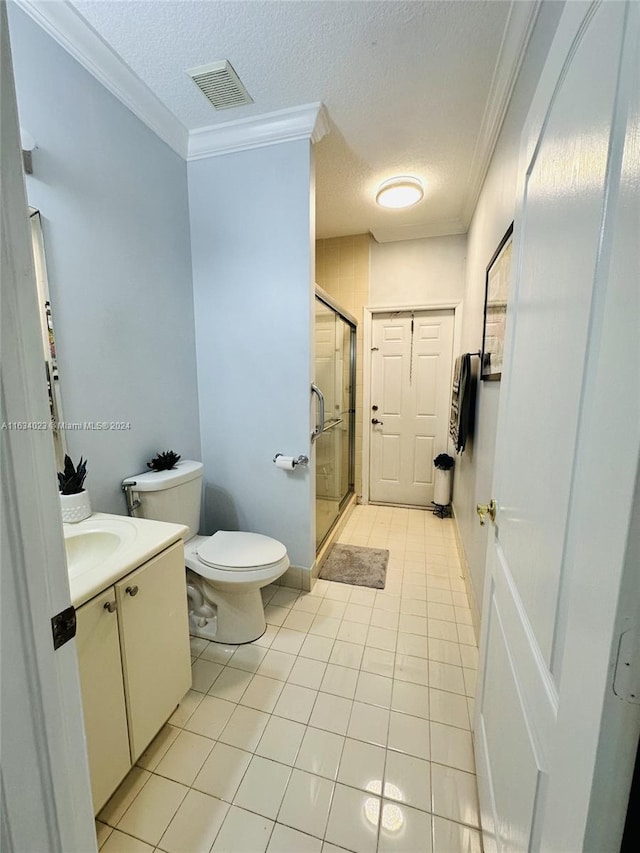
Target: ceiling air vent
221	85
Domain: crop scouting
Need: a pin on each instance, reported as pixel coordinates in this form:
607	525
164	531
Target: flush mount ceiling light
403	191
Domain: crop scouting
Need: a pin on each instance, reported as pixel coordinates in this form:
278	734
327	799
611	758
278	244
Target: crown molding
517	32
305	122
67	27
443	228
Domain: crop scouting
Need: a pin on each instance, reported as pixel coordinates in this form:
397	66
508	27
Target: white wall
493	214
417	272
251	227
113	199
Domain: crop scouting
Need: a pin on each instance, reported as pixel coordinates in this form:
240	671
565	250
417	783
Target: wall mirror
48	338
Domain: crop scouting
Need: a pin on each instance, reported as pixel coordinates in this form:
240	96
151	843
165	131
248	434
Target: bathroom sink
89	543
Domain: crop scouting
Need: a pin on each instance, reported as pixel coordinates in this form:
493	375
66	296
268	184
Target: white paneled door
410	394
566	458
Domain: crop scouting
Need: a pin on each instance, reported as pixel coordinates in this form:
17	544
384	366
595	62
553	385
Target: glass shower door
335	377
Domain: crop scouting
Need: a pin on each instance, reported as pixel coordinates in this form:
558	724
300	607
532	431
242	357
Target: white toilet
226	571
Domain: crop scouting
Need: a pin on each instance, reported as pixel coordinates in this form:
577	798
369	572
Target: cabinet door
105	716
154	639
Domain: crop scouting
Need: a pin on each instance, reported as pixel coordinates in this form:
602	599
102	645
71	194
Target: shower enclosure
335	338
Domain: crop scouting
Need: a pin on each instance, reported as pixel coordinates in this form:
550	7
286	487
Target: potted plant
442	482
74	498
164	461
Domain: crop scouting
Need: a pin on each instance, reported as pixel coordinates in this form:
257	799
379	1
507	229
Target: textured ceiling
405	84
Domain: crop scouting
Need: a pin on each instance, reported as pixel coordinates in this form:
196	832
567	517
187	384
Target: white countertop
139	539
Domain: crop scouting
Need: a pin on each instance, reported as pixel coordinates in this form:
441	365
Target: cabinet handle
132	590
110	606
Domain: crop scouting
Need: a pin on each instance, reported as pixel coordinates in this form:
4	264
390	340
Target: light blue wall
113	199
251	227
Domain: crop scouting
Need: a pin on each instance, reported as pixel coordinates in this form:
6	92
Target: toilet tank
173	495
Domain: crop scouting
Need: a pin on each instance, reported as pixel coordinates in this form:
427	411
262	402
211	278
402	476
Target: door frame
369	311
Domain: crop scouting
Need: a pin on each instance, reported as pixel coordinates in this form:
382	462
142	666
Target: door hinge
63	627
626	678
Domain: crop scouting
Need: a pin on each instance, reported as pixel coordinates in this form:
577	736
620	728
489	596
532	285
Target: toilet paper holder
299	460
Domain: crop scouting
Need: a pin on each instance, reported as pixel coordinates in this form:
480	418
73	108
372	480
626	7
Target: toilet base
238	619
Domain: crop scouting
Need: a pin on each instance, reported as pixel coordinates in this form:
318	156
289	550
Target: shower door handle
320	413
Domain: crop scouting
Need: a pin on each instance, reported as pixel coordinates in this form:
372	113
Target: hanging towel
461	402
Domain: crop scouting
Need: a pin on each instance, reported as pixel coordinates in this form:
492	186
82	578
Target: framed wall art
495	309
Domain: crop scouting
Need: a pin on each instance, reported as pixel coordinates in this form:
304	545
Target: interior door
570	402
410	394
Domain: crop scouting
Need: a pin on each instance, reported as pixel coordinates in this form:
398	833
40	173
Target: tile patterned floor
346	727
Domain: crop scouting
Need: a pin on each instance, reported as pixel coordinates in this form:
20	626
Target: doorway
335	339
411	355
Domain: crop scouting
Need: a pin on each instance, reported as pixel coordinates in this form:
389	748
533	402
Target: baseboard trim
466	574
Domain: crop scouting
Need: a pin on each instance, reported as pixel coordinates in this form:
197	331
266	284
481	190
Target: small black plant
444	462
71	480
164	461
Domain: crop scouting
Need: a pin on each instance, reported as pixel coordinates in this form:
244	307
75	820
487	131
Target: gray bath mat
353	564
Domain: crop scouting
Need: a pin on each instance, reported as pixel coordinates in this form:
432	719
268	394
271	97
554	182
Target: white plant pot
75	507
442	487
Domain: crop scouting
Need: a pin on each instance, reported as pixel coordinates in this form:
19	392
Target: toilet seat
238	551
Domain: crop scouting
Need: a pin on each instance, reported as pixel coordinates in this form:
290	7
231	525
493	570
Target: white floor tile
281	740
275	615
353	820
268	637
382	638
287	640
307	673
410	699
153	754
185	757
445	652
203	674
153	809
409	668
357	613
118	842
369	723
466	635
412	644
276	665
231	684
195	824
298	620
263	786
245	728
222	772
325	626
340	681
210	717
470	677
185	709
285	597
129	789
331	713
317	648
378	661
295	703
452	747
408	780
243	831
409	735
307	603
404	830
441	630
450	837
454	795
347	654
469	655
443	676
335	609
248	657
306	803
362	766
353	632
287	840
448	708
374	689
262	693
384	619
103	831
320	753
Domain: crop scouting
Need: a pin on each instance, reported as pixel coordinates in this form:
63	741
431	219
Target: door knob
110	606
132	590
374	408
375	421
485	510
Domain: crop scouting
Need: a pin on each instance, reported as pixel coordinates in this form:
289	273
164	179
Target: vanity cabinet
134	659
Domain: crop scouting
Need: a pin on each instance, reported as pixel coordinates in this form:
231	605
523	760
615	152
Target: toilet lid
239	551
